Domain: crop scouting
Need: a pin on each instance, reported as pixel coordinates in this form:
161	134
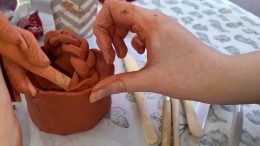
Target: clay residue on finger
124	12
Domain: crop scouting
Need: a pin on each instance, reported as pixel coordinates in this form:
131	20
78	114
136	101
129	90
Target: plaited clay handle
73	55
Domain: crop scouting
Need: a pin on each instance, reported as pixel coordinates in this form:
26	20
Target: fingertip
26	87
141	50
44	61
98	95
107	51
30	87
121	49
108	86
138	45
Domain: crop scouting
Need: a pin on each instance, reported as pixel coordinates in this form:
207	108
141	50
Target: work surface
218	23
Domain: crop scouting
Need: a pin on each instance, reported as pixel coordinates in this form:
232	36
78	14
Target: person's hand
26	43
23	41
178	64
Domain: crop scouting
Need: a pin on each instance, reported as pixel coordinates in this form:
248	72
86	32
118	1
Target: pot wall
66	114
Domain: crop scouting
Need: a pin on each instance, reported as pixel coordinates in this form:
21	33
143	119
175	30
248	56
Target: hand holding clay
24	42
178	64
10	130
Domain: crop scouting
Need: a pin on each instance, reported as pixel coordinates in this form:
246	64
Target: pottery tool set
196	113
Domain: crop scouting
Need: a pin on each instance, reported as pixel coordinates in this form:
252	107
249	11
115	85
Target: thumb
125	82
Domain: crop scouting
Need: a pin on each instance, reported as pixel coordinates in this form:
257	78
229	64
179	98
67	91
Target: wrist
232	80
10	130
199	75
215	79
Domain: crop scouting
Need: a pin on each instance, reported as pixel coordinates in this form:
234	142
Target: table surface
219	24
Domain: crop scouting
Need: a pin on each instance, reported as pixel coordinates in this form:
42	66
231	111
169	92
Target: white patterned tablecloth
219	24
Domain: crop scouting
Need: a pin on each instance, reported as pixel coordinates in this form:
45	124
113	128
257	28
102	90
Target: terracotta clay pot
64	112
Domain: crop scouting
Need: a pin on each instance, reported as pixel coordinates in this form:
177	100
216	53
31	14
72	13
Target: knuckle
120	84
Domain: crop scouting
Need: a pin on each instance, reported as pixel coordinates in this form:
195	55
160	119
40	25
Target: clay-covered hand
178	64
24	42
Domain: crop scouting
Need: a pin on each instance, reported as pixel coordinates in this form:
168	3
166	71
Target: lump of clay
63	112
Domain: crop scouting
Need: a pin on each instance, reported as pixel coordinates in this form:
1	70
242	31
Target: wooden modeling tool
166	122
196	115
150	134
176	120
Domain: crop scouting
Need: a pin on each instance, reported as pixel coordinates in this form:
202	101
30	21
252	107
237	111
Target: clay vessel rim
62	93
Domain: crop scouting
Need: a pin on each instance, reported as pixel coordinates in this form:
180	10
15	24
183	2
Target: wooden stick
14	53
147	124
166	123
176	120
192	120
52	75
150	134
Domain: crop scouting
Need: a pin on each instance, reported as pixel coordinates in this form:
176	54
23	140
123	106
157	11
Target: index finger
122	16
9	34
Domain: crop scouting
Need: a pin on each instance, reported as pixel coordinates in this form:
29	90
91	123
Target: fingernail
23	45
104	51
45	60
97	95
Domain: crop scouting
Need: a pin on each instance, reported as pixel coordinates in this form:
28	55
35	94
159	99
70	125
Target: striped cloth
78	15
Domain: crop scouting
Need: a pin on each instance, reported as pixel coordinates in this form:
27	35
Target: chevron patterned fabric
78	15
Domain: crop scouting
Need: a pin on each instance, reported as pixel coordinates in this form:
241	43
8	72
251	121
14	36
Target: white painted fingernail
97	95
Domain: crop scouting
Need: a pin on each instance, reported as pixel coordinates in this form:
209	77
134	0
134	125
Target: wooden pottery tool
150	134
237	125
166	122
196	115
176	120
